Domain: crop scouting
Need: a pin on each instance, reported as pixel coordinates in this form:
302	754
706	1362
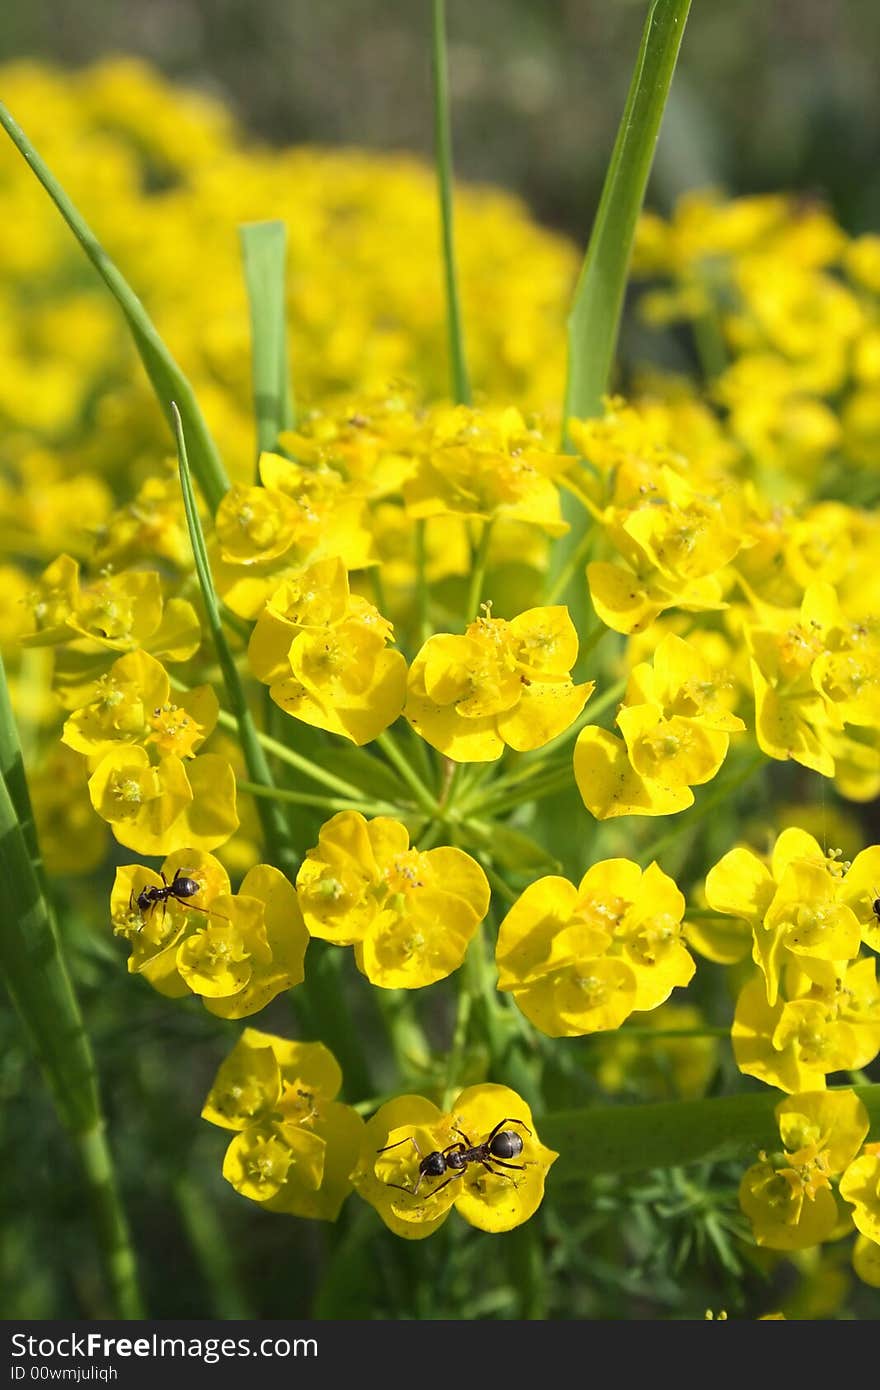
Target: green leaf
595	315
670	1134
166	377
263	247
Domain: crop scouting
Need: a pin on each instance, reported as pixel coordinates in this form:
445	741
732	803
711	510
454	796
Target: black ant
501	1145
180	888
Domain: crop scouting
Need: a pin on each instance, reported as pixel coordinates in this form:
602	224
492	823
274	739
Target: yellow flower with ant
501	683
483	1157
190	934
410	914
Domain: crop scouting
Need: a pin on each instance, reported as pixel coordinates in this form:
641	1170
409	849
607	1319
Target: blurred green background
769	93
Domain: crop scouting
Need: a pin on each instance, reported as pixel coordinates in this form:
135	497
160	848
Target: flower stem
331	804
461	388
408	774
478	573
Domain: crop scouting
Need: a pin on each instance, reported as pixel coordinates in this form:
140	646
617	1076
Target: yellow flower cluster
410	914
578	960
295	1144
164	176
789	1198
815	1006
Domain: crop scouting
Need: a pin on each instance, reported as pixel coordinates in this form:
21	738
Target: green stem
216	1260
110	1220
330	804
424	799
594	321
576	561
624	1139
478	573
423	597
293	759
168	381
461	389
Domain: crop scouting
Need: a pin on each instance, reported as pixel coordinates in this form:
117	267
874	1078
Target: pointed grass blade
595	315
263	249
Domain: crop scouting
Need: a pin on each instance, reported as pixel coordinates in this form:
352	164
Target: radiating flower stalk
479	706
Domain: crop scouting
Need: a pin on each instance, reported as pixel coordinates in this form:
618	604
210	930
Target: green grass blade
168	381
263	249
461	386
33	969
595	315
13	774
670	1134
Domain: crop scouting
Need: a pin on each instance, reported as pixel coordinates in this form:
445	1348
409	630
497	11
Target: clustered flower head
582	959
814	1006
501	683
410	914
295	1144
791	1198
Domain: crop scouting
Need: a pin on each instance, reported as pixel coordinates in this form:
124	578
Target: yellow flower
796	908
674	541
236	951
486	465
115	613
411	1165
323	653
860	1186
295	1144
676	724
580	960
132	703
789	1201
410	914
501	683
157	810
796	1042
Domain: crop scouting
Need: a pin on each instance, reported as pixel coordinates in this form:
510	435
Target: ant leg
456	1130
459	1174
410	1139
508	1121
520	1167
495	1173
